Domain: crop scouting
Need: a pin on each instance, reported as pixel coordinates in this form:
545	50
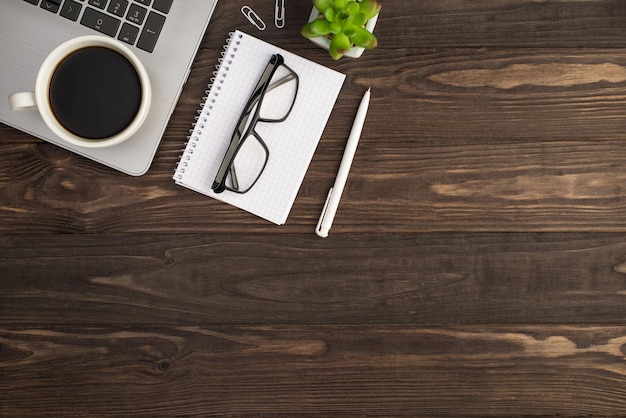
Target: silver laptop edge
28	33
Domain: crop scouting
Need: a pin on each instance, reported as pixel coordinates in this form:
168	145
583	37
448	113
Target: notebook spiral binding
206	106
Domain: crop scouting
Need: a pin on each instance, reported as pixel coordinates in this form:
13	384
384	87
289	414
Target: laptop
164	34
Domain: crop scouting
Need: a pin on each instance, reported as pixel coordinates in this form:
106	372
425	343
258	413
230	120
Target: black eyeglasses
247	155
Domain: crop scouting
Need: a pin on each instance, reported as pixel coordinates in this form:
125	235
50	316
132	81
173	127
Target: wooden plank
316	370
434	156
548	23
419	279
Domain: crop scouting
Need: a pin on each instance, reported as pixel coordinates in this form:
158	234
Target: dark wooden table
477	264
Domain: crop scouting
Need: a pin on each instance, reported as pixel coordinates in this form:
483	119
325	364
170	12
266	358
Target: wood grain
476	266
317	370
421	279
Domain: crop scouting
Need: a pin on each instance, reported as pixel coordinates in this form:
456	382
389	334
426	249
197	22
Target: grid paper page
292	143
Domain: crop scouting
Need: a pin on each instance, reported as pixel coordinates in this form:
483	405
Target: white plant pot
324	42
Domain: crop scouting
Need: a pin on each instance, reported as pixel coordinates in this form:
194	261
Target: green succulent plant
343	21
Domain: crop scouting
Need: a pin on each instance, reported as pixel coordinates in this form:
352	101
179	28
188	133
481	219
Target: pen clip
253	18
318	228
279	13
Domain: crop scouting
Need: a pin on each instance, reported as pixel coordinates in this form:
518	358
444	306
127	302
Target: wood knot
164	365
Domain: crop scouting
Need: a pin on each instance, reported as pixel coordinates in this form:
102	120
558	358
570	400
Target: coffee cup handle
23	101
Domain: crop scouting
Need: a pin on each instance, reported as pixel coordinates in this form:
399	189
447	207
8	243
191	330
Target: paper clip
253	18
279	13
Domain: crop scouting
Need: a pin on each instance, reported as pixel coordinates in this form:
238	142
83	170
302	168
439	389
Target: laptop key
99	21
136	14
162	5
51	5
128	33
151	31
71	10
100	4
118	7
32	1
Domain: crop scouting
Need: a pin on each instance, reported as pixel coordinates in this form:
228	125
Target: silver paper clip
279	13
253	18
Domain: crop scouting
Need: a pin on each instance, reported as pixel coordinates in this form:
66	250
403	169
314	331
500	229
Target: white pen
334	195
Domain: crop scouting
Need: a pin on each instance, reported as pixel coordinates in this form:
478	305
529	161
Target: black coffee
95	92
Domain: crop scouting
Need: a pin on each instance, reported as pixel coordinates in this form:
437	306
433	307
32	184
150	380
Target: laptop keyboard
136	22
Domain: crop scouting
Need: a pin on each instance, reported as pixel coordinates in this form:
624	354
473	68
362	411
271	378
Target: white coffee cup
66	105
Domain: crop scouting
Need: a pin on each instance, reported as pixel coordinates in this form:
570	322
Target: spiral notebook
292	143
